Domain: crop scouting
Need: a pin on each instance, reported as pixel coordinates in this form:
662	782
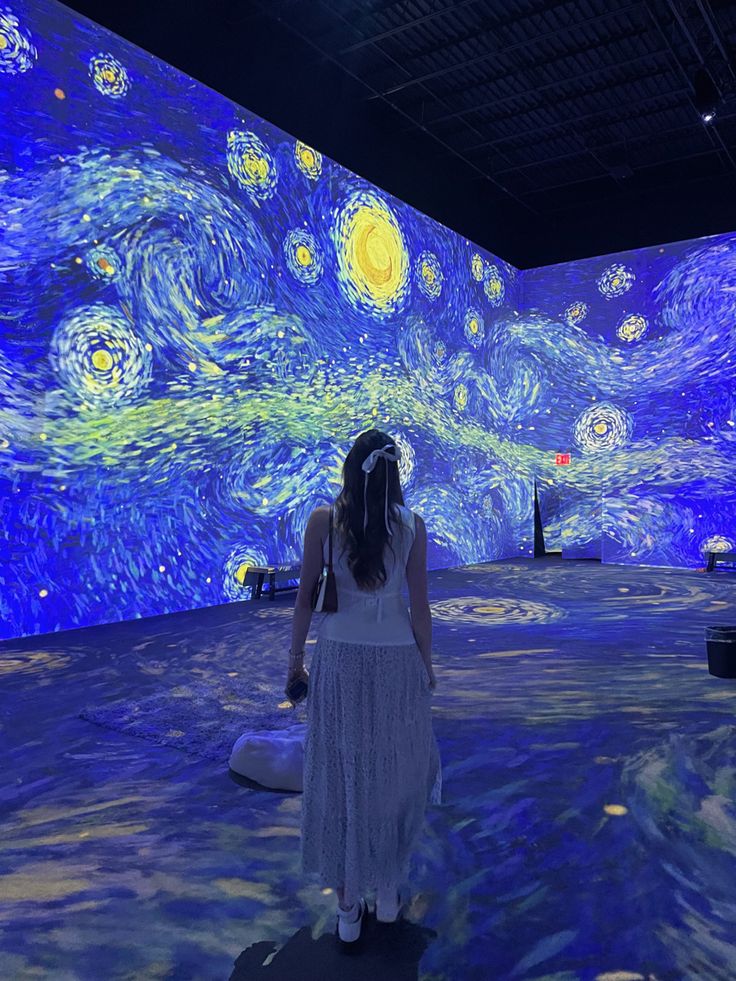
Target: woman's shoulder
320	517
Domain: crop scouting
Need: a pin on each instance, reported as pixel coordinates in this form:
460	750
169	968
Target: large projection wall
197	314
640	351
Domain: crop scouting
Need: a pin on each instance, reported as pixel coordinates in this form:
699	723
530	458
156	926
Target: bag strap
329	551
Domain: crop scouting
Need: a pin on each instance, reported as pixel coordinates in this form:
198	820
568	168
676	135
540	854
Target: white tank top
380	616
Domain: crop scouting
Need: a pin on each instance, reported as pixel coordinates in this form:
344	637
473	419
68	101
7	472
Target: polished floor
588	829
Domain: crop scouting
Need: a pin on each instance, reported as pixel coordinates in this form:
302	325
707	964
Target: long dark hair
366	550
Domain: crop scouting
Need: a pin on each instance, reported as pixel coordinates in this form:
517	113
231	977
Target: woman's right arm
421	615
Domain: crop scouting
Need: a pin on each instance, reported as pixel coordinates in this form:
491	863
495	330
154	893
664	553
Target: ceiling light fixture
707	95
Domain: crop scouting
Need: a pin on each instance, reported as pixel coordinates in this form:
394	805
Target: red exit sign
562	459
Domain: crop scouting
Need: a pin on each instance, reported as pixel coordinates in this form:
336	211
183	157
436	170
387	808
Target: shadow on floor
390	952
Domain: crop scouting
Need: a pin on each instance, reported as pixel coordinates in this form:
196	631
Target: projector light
706	95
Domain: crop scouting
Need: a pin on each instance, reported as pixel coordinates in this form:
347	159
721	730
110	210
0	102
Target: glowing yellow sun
303	255
102	360
373	255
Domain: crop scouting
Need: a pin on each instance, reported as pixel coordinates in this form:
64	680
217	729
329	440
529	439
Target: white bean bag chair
273	759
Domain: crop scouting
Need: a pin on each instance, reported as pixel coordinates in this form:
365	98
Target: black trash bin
721	646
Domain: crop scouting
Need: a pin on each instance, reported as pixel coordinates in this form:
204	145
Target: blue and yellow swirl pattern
200	313
602	427
303	256
109	76
576	313
474	327
372	255
98	357
632	328
308	160
251	164
477	267
17	51
494	285
104	263
429	275
616	280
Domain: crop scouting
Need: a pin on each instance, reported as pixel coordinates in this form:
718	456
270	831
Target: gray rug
202	719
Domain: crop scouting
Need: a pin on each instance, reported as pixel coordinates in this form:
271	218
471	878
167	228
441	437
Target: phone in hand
297	690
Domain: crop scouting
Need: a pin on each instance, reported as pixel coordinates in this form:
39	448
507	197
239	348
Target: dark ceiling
543	131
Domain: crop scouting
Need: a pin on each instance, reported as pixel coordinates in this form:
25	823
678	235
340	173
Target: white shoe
390	904
350	922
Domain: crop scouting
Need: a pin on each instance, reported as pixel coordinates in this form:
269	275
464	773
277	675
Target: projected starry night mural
198	312
638	352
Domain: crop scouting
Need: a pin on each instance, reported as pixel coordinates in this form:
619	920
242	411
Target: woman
371	760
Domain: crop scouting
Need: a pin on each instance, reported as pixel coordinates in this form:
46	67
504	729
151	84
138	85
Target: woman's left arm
310	573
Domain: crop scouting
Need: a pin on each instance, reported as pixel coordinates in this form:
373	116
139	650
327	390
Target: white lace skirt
371	764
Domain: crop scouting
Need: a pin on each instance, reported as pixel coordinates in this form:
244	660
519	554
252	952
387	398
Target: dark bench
260	572
714	557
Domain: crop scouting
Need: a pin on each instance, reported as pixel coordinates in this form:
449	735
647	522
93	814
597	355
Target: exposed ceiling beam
407	25
600	148
402	68
713	133
508	49
593	93
568	123
556	64
709	18
548	86
453	151
523	22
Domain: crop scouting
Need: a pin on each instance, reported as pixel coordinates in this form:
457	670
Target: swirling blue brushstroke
129	212
128	502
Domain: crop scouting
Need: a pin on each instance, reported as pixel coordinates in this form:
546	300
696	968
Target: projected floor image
588	825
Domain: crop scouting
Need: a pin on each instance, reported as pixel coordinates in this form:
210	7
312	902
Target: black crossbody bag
324	596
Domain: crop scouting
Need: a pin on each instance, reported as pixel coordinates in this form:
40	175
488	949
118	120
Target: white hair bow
389	453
